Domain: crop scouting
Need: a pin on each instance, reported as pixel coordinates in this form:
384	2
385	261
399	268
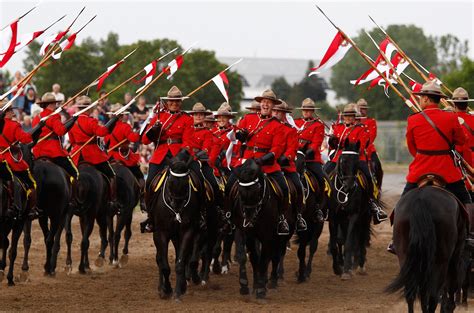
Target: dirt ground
134	286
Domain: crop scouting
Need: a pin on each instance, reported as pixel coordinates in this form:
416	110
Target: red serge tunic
265	136
311	136
354	133
201	139
50	147
291	146
122	153
12	132
422	137
80	133
371	126
176	131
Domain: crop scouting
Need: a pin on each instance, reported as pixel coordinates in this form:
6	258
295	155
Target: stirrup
301	221
283	228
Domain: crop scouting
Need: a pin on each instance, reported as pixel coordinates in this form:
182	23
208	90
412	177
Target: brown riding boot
300	221
12	208
147	225
141	186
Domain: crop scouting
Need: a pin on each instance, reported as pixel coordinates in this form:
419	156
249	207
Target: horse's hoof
164	295
225	269
123	260
100	261
362	271
346	276
2	275
116	264
24	276
203	283
301	279
244	291
178	300
273	284
68	269
11	283
261	301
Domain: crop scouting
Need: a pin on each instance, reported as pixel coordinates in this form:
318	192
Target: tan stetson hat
460	95
48	98
115	107
283	106
83	101
225	110
308	104
268	94
350	109
253	106
210	118
430	88
199	108
362	103
174	94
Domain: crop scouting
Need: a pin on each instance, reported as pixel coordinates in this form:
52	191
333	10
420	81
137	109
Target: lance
117	145
210	80
426	78
364	56
25	14
395	73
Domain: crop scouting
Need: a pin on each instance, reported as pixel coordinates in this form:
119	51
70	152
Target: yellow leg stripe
32	179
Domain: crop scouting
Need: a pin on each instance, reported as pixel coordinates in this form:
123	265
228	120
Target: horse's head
300	162
348	164
250	189
178	187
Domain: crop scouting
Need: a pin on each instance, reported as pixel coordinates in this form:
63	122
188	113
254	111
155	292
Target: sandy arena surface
134	286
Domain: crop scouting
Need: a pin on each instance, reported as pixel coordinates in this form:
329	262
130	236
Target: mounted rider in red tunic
119	148
261	135
354	131
287	159
431	135
310	138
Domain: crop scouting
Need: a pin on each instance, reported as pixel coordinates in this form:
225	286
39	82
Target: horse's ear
358	145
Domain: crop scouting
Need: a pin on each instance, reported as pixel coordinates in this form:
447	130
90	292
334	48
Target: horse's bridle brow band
249	184
179	174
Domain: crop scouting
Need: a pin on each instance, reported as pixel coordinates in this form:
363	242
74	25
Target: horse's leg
161	245
281	267
4	244
192	266
43	222
349	246
276	260
110	228
227	250
182	259
313	247
117	236
242	259
216	252
87	225
69	237
16	234
302	238
267	251
56	245
252	249
102	222
26	246
334	247
127	236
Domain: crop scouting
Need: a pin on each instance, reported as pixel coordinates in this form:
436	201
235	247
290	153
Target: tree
451	52
462	77
412	40
281	87
85	62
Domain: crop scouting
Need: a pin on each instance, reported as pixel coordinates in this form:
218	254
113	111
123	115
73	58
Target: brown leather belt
304	141
171	141
257	149
434	152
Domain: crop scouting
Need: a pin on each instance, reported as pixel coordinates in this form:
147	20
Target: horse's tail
416	273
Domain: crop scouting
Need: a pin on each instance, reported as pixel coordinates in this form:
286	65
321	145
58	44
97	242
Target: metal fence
391	143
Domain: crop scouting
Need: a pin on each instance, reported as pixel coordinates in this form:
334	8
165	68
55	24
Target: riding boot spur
283	227
378	214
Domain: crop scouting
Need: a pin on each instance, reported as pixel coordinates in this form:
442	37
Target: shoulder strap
430	121
82	129
171	122
467	127
260	128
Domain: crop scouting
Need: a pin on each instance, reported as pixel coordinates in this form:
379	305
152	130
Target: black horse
88	201
256	218
429	232
349	222
316	196
11	223
54	193
175	212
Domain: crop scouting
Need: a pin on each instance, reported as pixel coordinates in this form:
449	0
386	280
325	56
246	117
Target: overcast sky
286	29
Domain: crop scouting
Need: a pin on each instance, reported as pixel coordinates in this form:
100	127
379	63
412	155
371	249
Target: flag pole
210	80
19	18
364	56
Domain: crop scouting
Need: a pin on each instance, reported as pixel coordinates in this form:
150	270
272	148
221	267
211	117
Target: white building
259	73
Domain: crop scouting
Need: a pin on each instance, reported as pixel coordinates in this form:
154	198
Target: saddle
276	188
431	180
157	182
